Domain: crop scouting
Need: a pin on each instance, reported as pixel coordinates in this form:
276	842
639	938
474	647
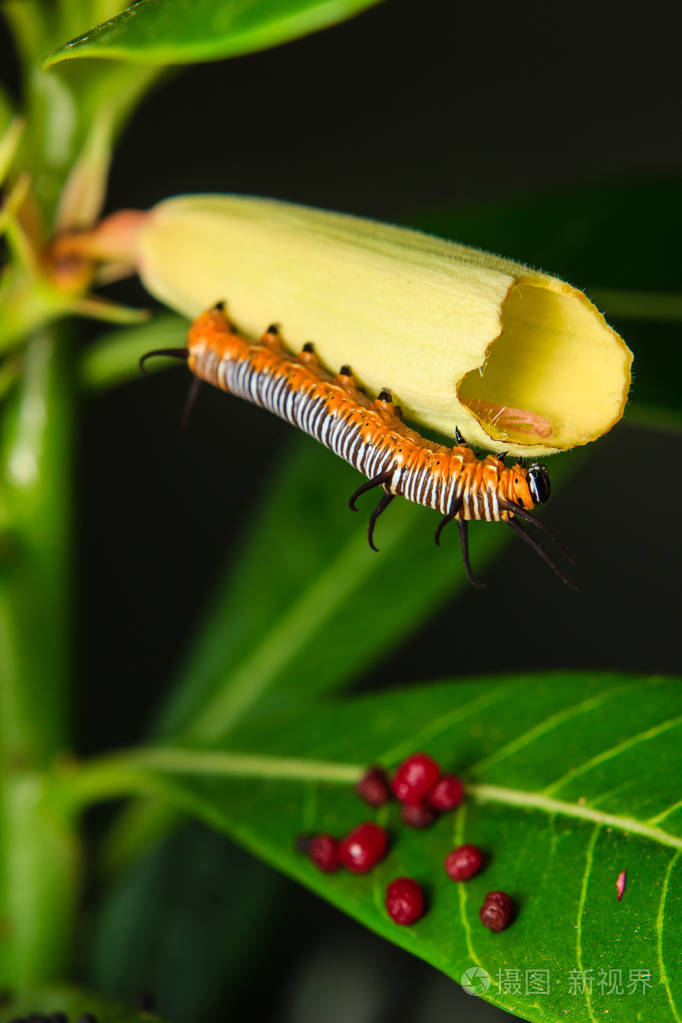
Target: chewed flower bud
514	358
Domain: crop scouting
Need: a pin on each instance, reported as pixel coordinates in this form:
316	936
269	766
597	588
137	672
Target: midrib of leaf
136	770
539	801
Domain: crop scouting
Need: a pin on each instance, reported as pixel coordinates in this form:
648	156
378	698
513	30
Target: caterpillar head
526	487
538	482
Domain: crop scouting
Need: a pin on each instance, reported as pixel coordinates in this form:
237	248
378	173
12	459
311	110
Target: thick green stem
39	869
35	493
37	846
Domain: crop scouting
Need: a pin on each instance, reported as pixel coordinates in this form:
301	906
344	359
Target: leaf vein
442	723
659	943
614	751
543	727
589	860
665	813
461	889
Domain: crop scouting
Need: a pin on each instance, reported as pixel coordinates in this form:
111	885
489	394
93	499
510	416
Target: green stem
35	471
37	848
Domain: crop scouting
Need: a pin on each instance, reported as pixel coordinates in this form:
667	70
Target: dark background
410	108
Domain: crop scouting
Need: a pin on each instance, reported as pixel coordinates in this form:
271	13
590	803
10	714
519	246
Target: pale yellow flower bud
513	357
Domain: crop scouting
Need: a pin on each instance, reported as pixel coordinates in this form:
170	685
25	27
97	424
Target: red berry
374	787
446	794
415	777
497	911
363	847
323	850
404	900
463	862
420	816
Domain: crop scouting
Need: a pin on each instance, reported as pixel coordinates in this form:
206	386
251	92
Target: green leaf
63	106
6	111
74	1003
115	357
186	31
215	923
571	780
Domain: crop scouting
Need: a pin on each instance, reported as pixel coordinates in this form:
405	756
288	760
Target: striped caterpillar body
369	434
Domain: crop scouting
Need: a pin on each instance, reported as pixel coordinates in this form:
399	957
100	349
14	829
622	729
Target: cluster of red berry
424	792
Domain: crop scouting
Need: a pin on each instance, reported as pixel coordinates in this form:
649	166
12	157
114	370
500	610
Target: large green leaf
114	358
215	924
186	31
74	1004
571	780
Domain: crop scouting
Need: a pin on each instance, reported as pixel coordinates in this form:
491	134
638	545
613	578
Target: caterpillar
369	434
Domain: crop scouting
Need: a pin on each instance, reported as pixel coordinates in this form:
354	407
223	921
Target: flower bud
514	358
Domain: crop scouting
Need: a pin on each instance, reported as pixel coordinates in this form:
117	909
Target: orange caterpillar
368	434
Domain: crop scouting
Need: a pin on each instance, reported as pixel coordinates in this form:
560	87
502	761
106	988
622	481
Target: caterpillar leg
464	544
382	505
447	518
376	481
